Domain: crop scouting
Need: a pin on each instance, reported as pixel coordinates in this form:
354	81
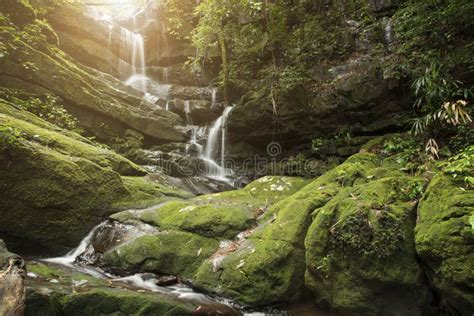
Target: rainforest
236	157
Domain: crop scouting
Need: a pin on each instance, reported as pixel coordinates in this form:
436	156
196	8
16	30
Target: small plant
45	107
9	136
461	166
412	190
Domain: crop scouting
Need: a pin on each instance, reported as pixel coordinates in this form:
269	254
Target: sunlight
105	10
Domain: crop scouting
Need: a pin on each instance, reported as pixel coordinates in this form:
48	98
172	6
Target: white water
135	44
70	257
214	96
216	142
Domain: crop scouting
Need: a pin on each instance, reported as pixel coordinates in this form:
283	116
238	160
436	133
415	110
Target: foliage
461	165
9	136
45	107
434	48
440	99
275	43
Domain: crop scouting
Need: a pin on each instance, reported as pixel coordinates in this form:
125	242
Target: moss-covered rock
359	248
221	215
360	252
209	220
56	186
168	252
445	241
269	266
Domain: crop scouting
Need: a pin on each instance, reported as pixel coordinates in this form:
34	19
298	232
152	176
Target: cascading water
132	49
135	52
216	142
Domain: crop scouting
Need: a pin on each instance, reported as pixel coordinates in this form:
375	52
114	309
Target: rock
12	283
444	242
178	74
200	112
100	107
352	95
360	253
212	219
385	6
101	297
56	185
167	252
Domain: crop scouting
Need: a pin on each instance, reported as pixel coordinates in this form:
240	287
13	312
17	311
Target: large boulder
56	185
445	241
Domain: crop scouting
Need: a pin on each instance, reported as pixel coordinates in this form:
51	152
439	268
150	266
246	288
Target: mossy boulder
360	251
209	220
445	241
167	252
56	186
360	254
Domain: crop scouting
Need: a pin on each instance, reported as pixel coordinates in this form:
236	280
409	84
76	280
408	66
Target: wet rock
12	283
99	296
167	280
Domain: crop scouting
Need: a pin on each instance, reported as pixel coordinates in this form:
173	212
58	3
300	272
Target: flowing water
216	141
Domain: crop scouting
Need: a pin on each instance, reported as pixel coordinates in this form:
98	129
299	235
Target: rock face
444	242
354	93
56	185
12	283
101	104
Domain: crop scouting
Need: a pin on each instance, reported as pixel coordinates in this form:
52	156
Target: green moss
44	270
260	273
168	252
209	220
117	302
145	193
70	146
220	215
58	187
360	253
444	239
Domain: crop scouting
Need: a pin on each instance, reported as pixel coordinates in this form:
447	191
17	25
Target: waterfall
134	47
166	72
214	96
216	137
187	111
